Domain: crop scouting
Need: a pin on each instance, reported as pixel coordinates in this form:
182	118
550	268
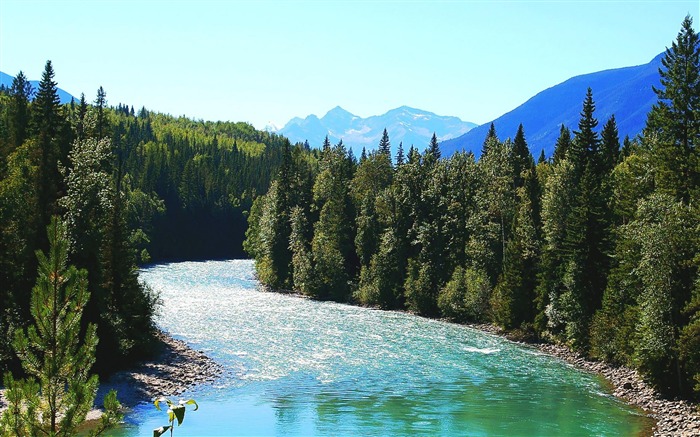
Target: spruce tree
21	92
673	123
47	125
490	136
101	119
399	155
610	146
586	145
562	145
384	144
433	148
522	158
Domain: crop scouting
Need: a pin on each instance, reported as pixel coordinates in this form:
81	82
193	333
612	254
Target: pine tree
674	120
433	148
522	158
562	145
47	125
101	119
610	146
586	145
490	136
60	391
384	144
542	158
21	92
399	155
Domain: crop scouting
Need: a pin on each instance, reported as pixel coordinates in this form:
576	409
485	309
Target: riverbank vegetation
596	248
132	187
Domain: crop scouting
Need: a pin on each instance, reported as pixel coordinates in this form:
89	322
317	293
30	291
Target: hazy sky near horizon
268	61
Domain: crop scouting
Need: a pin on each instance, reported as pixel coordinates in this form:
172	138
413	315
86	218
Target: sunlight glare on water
299	367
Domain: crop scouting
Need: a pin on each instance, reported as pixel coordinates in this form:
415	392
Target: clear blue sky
268	61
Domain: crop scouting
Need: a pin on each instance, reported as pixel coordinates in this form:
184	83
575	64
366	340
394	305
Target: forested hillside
596	248
132	187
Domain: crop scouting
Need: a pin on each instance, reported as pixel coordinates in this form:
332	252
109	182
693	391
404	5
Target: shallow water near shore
299	367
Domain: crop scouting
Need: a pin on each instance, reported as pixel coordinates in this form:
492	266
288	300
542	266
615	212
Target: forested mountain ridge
132	187
596	248
406	125
626	92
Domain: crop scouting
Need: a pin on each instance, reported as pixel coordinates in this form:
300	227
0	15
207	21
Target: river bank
174	368
673	417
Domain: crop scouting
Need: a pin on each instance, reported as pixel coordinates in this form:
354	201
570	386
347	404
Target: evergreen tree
542	158
384	144
21	93
522	158
101	117
562	145
399	155
60	391
433	148
586	145
610	146
47	128
490	136
675	118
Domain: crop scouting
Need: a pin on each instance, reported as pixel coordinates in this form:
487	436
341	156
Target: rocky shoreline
673	417
174	369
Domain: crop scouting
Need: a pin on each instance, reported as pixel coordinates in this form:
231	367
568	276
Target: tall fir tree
522	158
21	92
561	147
48	129
673	125
490	136
384	144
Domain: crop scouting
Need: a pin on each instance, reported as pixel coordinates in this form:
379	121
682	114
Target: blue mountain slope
6	80
625	92
408	125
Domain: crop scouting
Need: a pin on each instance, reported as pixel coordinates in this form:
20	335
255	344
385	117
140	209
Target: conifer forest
596	247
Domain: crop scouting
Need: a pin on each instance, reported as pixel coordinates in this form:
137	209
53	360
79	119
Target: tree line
132	187
596	247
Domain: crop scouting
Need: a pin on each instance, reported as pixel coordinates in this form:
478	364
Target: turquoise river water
300	367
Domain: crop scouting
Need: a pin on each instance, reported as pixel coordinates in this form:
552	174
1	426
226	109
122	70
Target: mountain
625	92
6	81
408	125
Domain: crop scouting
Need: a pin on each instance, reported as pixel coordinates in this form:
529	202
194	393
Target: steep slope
408	125
625	92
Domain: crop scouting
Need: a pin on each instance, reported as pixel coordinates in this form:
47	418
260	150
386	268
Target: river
300	367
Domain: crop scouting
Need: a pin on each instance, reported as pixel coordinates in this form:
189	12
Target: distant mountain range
625	92
408	125
6	80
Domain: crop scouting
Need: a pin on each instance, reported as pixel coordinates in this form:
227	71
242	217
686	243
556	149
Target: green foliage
465	297
675	119
59	392
175	411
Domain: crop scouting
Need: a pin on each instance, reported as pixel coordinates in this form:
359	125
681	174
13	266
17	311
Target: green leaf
190	402
160	431
171	415
159	400
179	411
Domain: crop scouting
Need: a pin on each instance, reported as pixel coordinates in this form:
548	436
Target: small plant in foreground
175	411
